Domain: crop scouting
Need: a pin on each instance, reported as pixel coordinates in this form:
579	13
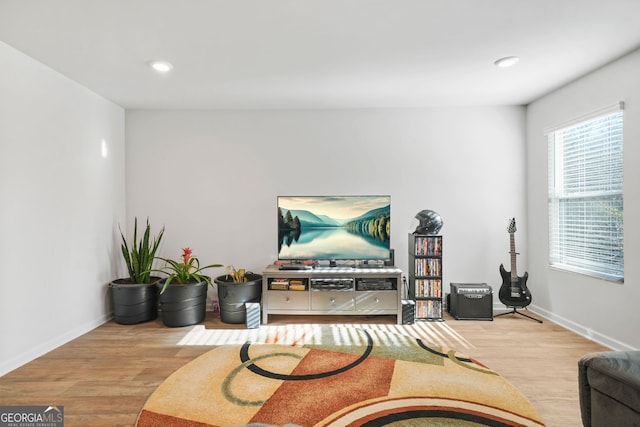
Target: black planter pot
134	302
233	296
183	305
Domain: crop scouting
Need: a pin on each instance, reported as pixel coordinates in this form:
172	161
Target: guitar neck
512	251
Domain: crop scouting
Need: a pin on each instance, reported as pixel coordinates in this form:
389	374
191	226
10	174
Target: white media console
332	290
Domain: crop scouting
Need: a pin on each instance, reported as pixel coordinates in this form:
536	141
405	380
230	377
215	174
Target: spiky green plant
142	253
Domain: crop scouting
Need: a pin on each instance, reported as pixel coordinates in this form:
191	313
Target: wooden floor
103	378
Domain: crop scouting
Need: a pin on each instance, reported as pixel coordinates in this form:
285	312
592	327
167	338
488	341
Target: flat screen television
334	228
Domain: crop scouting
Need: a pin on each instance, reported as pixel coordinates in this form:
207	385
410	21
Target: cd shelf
425	276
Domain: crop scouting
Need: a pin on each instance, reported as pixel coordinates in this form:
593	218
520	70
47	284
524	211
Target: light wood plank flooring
104	377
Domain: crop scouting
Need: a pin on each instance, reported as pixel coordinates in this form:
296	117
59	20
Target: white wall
605	311
60	204
212	177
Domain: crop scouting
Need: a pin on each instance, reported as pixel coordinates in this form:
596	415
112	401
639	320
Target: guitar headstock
512	226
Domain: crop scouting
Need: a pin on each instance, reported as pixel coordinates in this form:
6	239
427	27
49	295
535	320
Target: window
585	195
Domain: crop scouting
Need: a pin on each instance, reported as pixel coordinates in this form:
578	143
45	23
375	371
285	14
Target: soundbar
295	267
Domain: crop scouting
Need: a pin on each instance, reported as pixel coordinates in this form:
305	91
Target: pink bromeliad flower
186	256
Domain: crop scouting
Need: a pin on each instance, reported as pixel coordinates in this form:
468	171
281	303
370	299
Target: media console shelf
332	290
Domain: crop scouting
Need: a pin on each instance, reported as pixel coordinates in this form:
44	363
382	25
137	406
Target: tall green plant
142	253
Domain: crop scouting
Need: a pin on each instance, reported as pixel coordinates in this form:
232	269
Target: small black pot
233	296
134	302
183	305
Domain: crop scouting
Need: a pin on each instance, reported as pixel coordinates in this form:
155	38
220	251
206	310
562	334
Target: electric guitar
513	292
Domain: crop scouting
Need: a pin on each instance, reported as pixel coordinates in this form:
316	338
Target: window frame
581	199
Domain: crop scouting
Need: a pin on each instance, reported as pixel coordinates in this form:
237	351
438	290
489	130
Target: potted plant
235	288
183	294
135	298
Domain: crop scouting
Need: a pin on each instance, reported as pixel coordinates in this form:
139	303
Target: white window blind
585	195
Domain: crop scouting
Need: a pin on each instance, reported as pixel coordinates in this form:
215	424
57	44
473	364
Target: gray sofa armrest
609	388
584	389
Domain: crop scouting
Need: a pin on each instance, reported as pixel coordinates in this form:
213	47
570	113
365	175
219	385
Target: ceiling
262	54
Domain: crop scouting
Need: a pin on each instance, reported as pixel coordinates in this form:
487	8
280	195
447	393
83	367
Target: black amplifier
471	301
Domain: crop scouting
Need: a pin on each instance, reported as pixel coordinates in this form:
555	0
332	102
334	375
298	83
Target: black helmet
430	222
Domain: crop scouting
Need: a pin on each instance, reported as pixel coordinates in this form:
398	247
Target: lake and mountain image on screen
334	227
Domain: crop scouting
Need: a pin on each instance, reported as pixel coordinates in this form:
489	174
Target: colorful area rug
337	376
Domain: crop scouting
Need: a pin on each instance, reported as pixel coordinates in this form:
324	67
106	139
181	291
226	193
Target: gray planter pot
134	302
233	296
183	305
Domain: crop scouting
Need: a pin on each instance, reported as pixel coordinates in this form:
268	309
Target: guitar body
514	292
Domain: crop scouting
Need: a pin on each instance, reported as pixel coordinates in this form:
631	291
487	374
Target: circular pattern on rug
253	367
424	412
338	378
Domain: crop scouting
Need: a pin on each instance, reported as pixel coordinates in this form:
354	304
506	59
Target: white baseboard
51	344
572	326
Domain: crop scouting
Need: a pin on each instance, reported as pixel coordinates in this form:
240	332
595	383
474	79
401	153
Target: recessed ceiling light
507	61
161	66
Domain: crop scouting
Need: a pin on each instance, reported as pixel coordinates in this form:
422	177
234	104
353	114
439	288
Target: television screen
334	227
